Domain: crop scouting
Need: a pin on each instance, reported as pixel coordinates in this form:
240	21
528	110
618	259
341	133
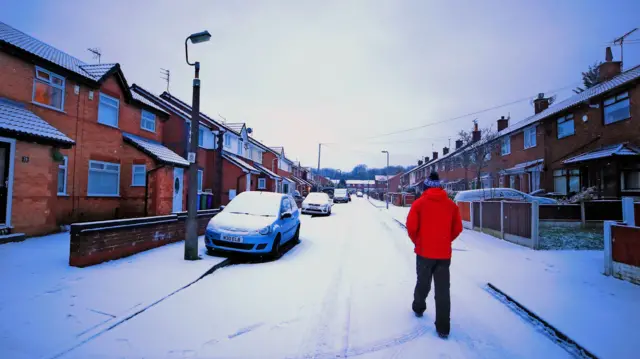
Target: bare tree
475	156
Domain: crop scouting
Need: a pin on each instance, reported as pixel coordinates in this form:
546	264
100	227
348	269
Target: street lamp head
385	151
199	37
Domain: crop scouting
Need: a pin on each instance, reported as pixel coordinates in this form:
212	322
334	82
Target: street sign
191	157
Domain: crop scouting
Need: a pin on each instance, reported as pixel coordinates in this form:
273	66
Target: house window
48	89
285	188
148	121
616	108
262	183
630	179
108	110
240	144
530	137
200	177
565	126
566	181
250	154
104	179
201	136
227	140
506	146
62	176
139	175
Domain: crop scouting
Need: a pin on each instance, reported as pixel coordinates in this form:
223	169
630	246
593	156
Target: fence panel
465	210
564	212
476	214
603	210
491	215
517	219
626	245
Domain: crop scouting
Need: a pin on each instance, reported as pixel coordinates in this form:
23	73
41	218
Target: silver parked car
500	194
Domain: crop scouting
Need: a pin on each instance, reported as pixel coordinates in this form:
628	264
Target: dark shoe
418	314
443	335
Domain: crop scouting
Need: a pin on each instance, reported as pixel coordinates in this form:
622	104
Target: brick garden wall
96	242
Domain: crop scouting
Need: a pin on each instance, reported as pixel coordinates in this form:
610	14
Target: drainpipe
146	187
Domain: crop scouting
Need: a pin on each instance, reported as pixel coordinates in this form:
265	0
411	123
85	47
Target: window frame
64	166
530	133
201	131
49	82
90	194
616	100
117	109
507	140
565	119
262	181
200	180
227	140
623	172
142	120
133	175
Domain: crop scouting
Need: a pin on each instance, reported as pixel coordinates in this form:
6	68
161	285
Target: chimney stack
435	155
609	69
540	103
420	162
445	151
475	135
426	160
502	123
458	144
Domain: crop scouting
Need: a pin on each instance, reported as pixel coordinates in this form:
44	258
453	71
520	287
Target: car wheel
328	214
296	237
275	249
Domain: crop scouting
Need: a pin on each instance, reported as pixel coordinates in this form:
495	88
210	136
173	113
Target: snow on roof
15	118
358	182
47	52
623	149
244	166
169	106
138	97
264	170
524	165
597	90
236	127
382	178
156	150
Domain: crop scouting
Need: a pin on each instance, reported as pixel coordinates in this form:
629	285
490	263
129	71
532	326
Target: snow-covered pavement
344	291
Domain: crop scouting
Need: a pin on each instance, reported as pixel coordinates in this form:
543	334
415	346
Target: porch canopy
265	171
155	150
18	122
524	167
619	150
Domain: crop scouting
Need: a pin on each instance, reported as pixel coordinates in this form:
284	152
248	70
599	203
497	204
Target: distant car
500	194
359	194
340	195
298	198
255	222
317	203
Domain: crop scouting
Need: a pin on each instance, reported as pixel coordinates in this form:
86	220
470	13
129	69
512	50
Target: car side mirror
285	215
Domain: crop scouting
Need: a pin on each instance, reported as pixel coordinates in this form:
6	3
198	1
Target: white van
340	195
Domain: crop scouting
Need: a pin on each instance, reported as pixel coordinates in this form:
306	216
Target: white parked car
359	194
500	194
317	203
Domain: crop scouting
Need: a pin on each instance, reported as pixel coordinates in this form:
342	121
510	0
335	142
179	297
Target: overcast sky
341	72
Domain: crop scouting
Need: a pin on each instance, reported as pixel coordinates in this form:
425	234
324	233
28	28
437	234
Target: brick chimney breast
503	123
609	69
475	135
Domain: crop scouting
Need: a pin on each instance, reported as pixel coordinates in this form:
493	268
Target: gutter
146	187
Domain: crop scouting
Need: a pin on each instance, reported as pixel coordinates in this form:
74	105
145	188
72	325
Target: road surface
344	291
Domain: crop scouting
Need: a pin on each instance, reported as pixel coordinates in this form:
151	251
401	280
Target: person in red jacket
433	224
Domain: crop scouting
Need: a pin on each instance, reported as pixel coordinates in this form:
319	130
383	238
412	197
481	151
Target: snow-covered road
344	291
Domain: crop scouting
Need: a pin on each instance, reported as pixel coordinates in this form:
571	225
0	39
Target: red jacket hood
435	194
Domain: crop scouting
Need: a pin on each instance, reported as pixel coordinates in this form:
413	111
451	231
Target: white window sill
63	195
505	154
47	106
103	195
526	148
137	185
148	130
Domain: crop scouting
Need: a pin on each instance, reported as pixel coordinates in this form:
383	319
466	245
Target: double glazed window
139	175
48	89
506	146
530	137
104	179
62	176
566	126
148	121
616	108
227	140
200	180
108	110
630	178
262	183
566	181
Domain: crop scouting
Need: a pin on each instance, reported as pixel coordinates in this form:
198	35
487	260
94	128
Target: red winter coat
433	223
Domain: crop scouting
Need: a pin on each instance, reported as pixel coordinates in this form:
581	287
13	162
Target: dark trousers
438	269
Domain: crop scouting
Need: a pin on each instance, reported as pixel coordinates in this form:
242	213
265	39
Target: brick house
246	163
76	144
590	139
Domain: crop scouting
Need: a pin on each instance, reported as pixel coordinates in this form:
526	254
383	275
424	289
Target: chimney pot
502	123
435	155
458	144
445	150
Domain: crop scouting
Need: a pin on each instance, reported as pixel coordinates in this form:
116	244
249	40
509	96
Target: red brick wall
229	180
97	242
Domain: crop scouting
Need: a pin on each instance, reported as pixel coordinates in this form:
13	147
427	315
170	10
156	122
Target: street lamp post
386	174
191	240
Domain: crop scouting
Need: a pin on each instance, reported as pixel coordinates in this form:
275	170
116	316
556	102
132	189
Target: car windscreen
256	204
317	197
340	192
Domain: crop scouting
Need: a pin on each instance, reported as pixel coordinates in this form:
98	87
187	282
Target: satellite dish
249	130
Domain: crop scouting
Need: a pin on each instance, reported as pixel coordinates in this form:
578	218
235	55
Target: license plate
234	239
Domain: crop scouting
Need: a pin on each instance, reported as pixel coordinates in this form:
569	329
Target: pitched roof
264	170
155	150
622	149
277	149
138	97
136	90
236	126
18	39
597	90
15	119
244	166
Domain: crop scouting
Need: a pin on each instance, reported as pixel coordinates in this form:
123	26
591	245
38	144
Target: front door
5	150
178	178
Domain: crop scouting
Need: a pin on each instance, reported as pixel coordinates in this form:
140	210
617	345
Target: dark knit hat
433	181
